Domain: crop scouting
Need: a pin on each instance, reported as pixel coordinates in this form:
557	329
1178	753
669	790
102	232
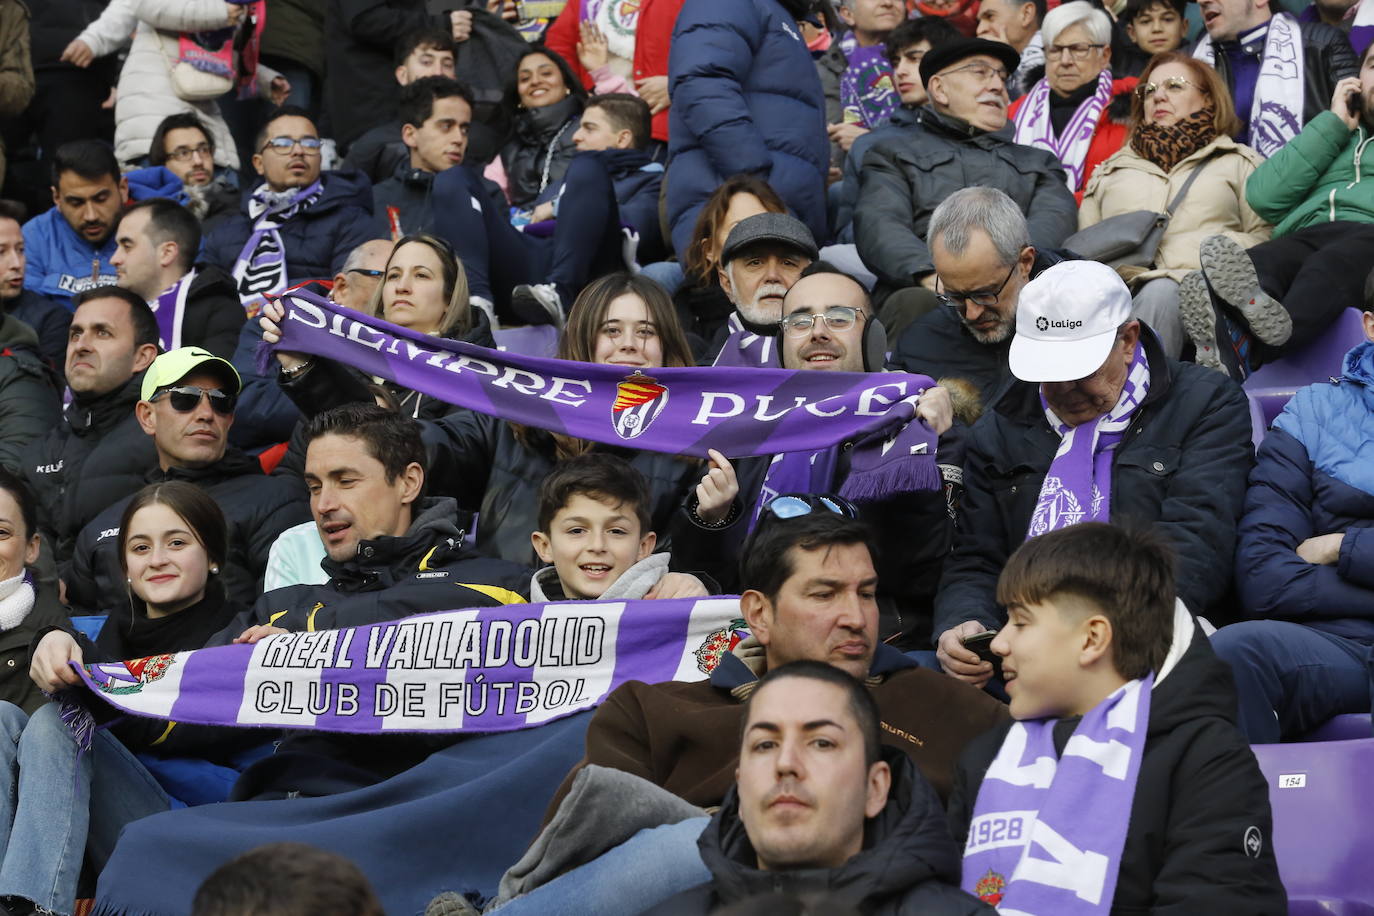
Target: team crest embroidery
718	642
123	678
638	401
990	887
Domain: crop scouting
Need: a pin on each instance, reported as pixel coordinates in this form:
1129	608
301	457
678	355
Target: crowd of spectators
1087	222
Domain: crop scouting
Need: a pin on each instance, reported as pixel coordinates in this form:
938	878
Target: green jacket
1316	178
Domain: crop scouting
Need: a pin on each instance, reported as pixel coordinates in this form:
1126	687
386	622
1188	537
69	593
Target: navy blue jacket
637	180
746	98
1312	477
317	240
50	321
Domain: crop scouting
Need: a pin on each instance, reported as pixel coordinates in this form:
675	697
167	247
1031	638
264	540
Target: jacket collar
956	128
234	463
104	412
736	677
432	539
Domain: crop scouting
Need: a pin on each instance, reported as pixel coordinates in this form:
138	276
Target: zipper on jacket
1359	153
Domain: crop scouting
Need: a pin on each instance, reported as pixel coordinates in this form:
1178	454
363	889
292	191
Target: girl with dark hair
424	288
59	805
543	103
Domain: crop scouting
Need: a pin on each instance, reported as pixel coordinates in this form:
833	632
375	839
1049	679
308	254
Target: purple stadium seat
1322	837
1342	728
535	340
1272	385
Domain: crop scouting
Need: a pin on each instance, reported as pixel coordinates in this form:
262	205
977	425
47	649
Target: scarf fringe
912	474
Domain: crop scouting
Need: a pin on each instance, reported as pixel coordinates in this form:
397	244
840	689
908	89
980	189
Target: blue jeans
57	807
667	274
632	878
1291	678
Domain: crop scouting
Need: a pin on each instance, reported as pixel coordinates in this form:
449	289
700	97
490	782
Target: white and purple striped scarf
1275	115
169	308
1047	832
1078	485
1034	127
260	270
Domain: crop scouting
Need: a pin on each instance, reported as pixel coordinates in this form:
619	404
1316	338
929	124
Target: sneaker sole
1233	278
531	310
1199	320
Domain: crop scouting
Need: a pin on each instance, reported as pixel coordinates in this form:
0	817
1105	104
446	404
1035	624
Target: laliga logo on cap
638	401
1044	324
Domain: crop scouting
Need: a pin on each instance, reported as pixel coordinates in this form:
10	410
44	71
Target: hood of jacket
633	583
907	844
211	281
1192	683
15	334
432	539
155	181
99	414
342	188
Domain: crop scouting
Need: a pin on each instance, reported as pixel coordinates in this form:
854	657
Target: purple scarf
1078	485
796	472
867	94
1034	127
1047	832
169	309
679	411
745	348
261	266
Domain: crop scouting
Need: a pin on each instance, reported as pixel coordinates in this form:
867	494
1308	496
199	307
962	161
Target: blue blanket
456	821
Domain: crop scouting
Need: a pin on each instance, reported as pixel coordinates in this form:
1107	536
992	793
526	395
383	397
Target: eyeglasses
836	318
1078	50
982	72
795	505
284	145
182	153
374	274
953	299
1174	85
186	398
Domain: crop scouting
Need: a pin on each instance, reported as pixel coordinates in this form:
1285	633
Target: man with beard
69	246
962	144
983	256
762	257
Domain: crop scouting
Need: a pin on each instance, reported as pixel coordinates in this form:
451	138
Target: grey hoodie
635	582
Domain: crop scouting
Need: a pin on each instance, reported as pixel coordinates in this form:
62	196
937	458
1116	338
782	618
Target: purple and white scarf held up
1034	127
1078	485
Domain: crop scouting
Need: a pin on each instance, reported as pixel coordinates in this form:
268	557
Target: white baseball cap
1066	322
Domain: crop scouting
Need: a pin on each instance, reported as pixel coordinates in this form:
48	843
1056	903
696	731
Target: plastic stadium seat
1272	385
535	340
1322	837
1342	728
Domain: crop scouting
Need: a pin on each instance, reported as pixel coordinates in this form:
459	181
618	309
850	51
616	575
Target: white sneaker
537	303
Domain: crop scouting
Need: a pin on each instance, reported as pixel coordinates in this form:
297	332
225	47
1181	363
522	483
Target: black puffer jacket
29	405
540	148
257	508
1327	58
98	456
906	176
1199	798
214	315
909	866
1181	468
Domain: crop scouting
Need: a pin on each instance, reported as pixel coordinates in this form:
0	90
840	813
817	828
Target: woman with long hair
424	289
543	105
64	805
1182	120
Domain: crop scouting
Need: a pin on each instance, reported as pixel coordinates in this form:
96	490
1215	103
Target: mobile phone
1355	103
980	644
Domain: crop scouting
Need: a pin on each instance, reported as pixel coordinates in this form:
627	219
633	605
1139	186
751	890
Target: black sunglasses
186	398
795	505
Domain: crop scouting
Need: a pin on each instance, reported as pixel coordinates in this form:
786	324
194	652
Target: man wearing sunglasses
297	223
961	145
808	594
156	242
187	406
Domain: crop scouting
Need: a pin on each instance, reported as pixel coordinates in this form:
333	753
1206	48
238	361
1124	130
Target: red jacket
653	36
1111	129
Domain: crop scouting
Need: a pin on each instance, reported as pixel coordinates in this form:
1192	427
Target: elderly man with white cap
1099	425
